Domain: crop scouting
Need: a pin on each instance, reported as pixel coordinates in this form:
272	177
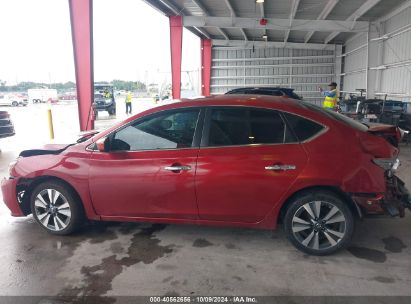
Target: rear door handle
280	167
177	168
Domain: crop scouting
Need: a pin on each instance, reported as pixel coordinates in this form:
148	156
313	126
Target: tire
15	104
63	217
318	233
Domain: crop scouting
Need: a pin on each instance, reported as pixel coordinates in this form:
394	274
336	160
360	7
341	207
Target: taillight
401	133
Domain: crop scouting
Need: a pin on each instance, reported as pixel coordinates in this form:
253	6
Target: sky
131	42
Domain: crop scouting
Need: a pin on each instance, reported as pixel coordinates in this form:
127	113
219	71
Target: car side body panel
70	166
338	157
235	184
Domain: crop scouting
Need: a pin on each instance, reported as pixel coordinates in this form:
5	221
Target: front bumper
393	202
8	188
7	130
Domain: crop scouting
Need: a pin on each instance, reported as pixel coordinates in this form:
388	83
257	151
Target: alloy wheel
52	209
319	225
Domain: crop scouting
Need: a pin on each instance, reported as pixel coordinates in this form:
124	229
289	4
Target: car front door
247	161
149	169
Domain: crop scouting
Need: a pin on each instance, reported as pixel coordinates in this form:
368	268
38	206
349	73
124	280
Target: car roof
249	100
244	100
262	88
280	103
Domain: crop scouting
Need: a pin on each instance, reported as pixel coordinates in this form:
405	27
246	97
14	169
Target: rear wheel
56	208
319	223
14	103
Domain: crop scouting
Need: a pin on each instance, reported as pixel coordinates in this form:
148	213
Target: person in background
331	96
129	97
106	94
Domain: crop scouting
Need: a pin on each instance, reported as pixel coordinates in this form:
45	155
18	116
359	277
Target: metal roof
308	22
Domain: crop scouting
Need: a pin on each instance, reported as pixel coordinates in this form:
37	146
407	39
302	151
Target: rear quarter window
337	116
302	127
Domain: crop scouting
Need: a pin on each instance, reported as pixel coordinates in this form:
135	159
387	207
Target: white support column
380	57
372	61
338	64
290	79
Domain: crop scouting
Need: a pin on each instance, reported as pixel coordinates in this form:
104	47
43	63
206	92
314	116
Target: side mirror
102	144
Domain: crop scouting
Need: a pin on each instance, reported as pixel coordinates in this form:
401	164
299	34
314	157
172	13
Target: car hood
47	149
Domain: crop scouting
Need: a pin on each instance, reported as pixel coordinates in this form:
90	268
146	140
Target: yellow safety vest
330	102
128	98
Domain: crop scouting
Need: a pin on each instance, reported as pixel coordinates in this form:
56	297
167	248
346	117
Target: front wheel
15	104
56	208
112	111
319	223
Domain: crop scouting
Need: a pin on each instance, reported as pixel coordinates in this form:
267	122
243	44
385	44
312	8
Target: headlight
108	100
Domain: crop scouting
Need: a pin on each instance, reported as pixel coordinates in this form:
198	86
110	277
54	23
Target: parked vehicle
104	99
6	125
68	96
42	95
225	161
270	91
379	111
12	100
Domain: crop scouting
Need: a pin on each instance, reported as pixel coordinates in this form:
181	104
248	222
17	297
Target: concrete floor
128	259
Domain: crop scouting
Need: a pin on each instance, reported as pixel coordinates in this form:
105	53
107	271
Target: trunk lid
390	133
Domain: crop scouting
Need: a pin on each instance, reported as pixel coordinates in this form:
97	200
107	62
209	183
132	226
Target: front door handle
176	168
280	167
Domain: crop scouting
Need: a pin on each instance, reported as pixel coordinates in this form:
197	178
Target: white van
42	95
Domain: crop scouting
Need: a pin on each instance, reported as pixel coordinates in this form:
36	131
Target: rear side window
228	127
302	127
231	127
266	127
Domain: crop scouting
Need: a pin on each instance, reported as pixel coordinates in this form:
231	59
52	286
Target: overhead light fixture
265	37
259	1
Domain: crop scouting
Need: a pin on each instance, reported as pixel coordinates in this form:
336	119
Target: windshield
346	120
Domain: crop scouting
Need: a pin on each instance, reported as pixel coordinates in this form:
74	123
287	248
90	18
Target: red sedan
247	161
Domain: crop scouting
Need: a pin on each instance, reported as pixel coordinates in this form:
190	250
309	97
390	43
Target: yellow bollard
50	121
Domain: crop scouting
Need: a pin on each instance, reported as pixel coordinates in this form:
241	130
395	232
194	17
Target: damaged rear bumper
397	197
393	202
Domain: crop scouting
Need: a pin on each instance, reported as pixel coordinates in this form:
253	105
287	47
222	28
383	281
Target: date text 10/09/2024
200	299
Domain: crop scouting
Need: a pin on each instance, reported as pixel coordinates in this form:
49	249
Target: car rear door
149	170
247	161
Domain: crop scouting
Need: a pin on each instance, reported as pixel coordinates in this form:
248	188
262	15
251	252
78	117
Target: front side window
168	130
244	126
